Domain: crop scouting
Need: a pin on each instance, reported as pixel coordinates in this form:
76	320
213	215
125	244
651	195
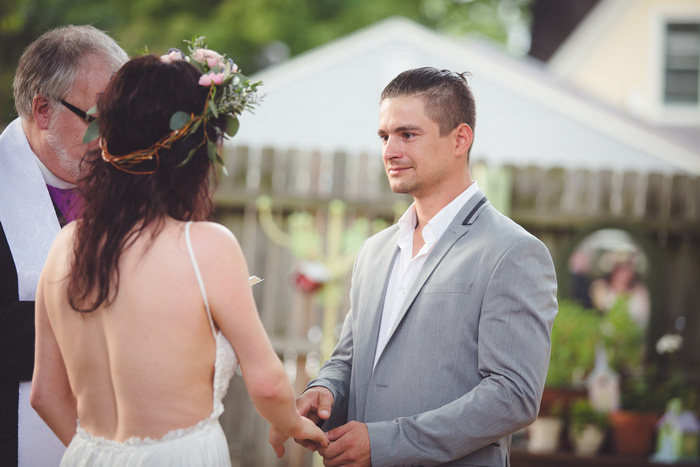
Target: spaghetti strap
199	277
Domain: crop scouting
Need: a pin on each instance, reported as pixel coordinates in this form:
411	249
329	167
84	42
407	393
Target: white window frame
669	113
696	55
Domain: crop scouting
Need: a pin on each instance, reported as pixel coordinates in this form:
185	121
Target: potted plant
634	424
544	433
587	427
575	333
641	402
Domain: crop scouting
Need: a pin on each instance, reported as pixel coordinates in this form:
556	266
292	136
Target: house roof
327	99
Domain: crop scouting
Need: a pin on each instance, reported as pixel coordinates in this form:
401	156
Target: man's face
418	161
64	135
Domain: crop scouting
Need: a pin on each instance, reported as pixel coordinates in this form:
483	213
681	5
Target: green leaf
92	110
211	151
221	162
212	107
189	156
92	132
198	65
179	120
232	125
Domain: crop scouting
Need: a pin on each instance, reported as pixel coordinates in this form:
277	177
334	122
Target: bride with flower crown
144	309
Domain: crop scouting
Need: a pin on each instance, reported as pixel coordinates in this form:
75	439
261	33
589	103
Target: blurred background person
622	282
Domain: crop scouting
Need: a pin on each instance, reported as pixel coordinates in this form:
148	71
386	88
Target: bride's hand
306	430
277	439
311	432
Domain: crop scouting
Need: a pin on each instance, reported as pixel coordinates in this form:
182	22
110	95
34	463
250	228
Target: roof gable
328	99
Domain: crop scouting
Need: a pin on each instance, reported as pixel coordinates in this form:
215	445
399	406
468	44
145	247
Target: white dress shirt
406	266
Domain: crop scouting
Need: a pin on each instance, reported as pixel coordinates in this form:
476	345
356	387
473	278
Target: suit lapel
458	227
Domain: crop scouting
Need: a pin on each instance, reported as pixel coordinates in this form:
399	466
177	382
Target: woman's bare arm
51	394
234	311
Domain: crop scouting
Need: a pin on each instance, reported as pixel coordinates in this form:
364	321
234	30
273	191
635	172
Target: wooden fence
558	206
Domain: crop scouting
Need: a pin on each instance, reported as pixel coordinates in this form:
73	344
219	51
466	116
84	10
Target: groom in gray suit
444	352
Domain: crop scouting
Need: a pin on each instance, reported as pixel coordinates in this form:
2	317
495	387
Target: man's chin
401	189
71	173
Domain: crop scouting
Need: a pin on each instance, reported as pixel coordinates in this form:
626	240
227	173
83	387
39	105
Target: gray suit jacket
465	363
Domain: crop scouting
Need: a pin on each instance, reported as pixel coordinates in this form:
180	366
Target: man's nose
392	148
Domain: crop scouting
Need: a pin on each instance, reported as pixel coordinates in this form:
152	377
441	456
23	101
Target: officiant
57	80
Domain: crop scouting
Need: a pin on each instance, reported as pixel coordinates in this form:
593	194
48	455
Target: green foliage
624	340
644	387
232	125
575	334
652	388
179	120
582	414
92	132
556	409
641	393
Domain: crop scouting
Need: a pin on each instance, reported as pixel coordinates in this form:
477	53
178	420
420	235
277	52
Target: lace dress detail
201	444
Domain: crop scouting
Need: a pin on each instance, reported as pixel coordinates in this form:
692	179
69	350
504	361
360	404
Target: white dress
203	444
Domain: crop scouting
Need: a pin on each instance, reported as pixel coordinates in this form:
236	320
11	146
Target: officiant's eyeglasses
78	112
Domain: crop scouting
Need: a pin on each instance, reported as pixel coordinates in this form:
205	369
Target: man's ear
41	111
464	138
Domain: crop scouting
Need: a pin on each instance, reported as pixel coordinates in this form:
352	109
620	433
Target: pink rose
213	61
172	56
205	80
210	57
209	78
217	78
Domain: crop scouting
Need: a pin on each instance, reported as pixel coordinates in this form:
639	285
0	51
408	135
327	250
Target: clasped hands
345	445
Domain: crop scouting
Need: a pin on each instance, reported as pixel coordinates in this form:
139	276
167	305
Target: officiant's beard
69	163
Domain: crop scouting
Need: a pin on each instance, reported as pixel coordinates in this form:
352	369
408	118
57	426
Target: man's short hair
51	64
446	95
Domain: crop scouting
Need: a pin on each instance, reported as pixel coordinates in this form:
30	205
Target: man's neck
428	207
50	178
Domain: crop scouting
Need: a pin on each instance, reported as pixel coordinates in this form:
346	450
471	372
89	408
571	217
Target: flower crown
230	93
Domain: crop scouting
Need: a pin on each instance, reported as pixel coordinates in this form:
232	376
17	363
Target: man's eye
408	135
383	138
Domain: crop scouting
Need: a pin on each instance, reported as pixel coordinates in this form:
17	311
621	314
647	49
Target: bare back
142	366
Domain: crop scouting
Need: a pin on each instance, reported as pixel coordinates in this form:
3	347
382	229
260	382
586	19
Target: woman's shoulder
216	247
61	252
213	239
63	241
211	231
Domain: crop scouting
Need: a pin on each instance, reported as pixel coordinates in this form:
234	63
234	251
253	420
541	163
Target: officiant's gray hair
51	64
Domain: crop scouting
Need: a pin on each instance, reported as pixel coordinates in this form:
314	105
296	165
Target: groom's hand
349	446
315	404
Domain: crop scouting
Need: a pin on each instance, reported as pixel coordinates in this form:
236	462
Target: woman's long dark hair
134	112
